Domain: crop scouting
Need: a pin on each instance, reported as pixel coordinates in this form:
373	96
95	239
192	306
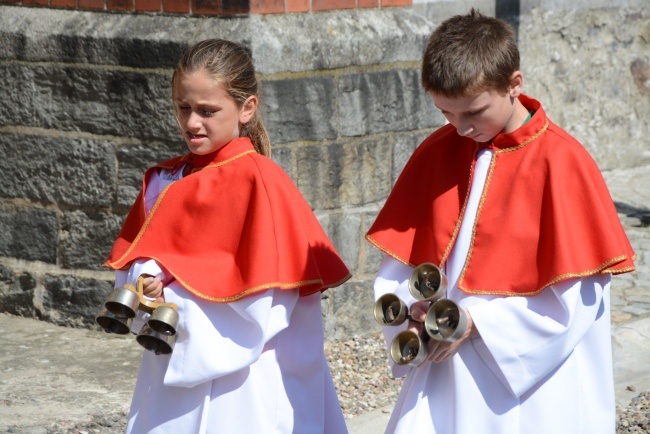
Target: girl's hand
153	288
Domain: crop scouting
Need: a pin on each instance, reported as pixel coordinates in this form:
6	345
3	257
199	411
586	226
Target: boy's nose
465	130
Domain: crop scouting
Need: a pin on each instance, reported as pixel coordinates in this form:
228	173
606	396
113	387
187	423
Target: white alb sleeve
523	339
216	339
393	278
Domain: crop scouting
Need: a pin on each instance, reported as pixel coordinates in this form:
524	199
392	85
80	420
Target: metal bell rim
149	334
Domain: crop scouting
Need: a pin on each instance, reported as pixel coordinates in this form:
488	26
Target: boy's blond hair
470	54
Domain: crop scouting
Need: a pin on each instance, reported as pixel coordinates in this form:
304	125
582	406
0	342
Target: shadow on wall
509	11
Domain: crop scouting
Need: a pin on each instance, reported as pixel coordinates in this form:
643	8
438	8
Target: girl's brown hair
470	54
230	65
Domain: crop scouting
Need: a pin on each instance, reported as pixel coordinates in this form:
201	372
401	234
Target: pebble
635	418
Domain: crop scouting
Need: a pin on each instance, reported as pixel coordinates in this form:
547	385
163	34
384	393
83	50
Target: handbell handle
147	306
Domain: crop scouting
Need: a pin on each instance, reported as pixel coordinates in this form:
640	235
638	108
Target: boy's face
481	117
208	116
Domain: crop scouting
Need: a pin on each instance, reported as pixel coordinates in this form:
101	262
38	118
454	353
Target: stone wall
85	109
222	8
592	70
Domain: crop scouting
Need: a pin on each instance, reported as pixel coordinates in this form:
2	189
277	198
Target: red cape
545	214
235	226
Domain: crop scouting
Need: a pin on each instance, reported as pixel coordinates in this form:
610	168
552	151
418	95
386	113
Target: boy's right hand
153	288
438	351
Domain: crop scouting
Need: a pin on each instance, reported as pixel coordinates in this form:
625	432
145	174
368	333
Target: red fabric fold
545	214
235	226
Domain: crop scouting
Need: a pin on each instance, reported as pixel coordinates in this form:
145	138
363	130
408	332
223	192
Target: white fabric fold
237	333
541	364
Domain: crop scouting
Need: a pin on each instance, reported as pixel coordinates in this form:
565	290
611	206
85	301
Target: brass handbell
409	348
119	309
157	335
164	319
427	282
390	310
159	343
112	323
445	321
123	301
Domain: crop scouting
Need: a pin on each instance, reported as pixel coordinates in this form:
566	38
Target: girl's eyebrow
201	104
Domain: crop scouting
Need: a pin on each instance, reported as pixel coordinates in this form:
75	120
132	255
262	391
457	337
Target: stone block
329	40
16	292
134	160
337	174
144	41
404	146
299	109
73	301
283	156
278	43
372	255
57	169
87	238
125	103
351	312
438	11
378	102
565	55
344	230
29	234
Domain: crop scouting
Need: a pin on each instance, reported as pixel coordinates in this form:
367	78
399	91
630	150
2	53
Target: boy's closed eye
471	113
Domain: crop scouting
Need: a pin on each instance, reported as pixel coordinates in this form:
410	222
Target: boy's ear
248	109
516	84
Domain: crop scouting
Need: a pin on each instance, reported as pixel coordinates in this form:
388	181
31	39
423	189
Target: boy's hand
443	351
439	351
153	288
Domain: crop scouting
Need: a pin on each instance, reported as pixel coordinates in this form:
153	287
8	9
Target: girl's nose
194	121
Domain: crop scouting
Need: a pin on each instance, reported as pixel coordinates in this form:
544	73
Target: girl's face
209	118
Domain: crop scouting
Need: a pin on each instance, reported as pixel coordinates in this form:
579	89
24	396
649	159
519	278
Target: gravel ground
361	374
362	378
363	381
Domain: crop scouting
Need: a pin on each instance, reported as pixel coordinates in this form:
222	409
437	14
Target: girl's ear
248	109
516	84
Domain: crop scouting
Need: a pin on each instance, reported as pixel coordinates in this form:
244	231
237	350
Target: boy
516	214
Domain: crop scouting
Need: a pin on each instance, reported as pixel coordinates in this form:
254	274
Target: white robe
541	364
255	365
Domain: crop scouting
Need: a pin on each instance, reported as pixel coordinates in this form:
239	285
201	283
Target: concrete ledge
279	43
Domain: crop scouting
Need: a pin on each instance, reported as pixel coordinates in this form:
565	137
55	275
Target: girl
232	242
